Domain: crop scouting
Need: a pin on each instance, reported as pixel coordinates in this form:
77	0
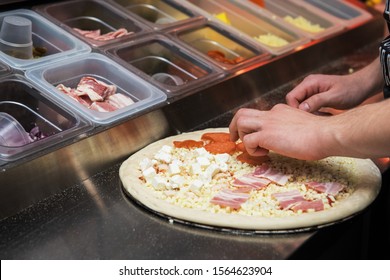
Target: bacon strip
265	171
316	205
96	90
251	181
288	199
331	188
229	198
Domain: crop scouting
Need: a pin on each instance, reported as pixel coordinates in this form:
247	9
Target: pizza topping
331	188
251	181
221	147
289	198
216	137
188	144
247	158
266	171
305	205
230	198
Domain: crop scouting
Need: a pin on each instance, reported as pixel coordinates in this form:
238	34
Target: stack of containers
25	113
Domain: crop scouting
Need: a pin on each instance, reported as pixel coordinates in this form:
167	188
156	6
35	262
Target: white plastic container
69	73
58	44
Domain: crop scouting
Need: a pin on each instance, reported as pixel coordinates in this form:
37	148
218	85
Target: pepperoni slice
247	158
240	147
221	147
188	144
216	137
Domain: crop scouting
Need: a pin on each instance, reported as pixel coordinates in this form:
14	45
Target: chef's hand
318	91
283	129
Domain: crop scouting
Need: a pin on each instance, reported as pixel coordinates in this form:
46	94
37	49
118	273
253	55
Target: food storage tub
216	44
144	96
164	63
87	19
158	14
44	122
346	13
258	28
310	23
50	42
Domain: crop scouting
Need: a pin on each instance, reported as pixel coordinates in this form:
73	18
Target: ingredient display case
50	42
158	14
347	14
98	68
95	22
220	46
164	63
38	121
259	29
311	24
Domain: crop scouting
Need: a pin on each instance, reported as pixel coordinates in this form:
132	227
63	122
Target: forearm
369	80
361	132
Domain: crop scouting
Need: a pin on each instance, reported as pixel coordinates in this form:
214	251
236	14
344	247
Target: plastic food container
311	24
158	14
164	63
216	44
97	66
255	27
30	123
101	23
346	13
50	42
12	133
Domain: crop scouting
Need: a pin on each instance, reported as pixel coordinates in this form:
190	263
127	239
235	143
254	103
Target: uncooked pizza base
368	178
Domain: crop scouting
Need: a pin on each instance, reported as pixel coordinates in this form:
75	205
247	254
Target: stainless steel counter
68	203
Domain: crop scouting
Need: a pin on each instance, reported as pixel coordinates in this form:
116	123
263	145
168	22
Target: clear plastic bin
215	43
50	42
93	15
158	14
258	28
99	67
45	122
312	24
346	13
155	56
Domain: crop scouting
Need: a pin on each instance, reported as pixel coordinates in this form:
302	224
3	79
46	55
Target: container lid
96	71
50	42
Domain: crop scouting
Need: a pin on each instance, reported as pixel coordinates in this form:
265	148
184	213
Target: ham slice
96	90
251	181
96	34
265	171
316	205
230	198
288	199
102	106
331	188
119	100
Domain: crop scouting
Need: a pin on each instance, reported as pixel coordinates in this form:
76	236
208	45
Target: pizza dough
367	183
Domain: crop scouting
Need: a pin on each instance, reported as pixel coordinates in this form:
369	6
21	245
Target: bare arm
337	91
361	132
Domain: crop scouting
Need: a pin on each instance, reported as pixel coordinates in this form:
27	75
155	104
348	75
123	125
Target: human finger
239	120
251	142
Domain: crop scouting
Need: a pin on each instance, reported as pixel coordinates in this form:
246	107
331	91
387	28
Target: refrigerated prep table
66	201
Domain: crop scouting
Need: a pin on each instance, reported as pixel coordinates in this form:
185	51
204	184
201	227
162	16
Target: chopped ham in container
96	34
96	95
